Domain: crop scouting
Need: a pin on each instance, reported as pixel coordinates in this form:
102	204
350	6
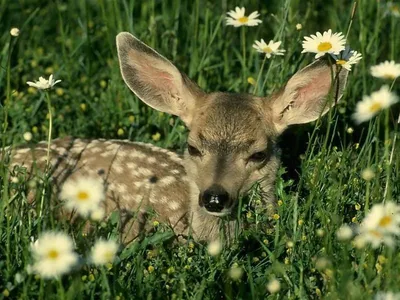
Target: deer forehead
230	122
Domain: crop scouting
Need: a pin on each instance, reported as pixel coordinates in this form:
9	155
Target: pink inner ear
316	88
150	71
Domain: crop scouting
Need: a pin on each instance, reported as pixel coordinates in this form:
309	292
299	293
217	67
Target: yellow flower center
389	76
267	49
53	254
341	62
376	234
243	20
324	46
385	221
109	256
82	196
395	9
375	107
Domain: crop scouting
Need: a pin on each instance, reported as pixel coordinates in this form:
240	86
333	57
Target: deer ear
309	94
155	80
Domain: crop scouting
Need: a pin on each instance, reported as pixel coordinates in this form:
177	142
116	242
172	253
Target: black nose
215	198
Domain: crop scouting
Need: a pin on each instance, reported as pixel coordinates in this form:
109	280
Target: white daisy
214	248
393	9
373	237
274	286
14	31
324	43
384	217
346	61
237	18
83	194
387	296
371	105
104	252
344	233
54	254
98	214
269	49
44	84
386	70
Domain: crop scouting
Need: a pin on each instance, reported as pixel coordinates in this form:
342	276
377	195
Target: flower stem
50	130
259	74
244	53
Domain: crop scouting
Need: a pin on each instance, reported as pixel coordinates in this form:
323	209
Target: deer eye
193	151
258	157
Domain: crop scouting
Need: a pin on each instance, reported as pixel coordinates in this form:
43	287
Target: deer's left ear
306	95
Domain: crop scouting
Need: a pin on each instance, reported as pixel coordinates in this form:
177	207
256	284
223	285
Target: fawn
231	144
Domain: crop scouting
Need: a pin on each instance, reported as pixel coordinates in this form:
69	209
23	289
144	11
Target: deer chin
223	213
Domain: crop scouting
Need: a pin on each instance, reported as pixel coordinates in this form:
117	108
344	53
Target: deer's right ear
155	80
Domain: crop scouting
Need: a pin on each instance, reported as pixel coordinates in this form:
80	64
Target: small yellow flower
354	219
299	26
350	130
156	223
251	81
120	132
91	277
35	129
249	215
59	91
6	293
191	245
103	84
171	270
150	269
32	90
49	70
280	202
276	216
131	118
287	261
156	137
300	222
83	106
357	206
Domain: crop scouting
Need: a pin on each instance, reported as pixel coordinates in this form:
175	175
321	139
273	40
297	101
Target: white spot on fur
174	205
175	171
131	165
121	188
151	160
25	150
164	165
144	171
96	149
167	180
137	154
77	149
118	168
105	154
112	147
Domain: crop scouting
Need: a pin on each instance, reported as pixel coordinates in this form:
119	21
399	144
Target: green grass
320	185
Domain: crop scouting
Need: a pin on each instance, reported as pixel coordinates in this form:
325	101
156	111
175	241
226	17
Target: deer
231	145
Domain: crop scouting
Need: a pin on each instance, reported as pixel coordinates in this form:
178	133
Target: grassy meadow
322	183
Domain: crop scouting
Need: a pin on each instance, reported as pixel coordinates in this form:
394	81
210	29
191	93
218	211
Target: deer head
232	138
